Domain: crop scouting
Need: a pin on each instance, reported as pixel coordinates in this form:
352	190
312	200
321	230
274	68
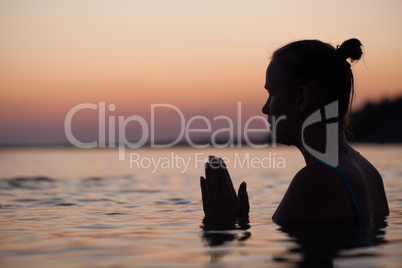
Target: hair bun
351	49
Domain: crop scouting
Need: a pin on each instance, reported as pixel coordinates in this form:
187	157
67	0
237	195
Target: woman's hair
322	67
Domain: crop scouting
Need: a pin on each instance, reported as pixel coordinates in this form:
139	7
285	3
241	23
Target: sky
203	57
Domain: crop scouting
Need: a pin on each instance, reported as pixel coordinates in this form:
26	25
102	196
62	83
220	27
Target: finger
228	180
203	184
246	209
243	203
208	177
215	174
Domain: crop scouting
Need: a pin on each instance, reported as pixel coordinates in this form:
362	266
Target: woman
307	79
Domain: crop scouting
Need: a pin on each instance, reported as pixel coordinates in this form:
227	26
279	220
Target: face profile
281	106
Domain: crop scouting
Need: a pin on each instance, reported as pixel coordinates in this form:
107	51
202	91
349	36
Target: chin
279	140
284	142
286	139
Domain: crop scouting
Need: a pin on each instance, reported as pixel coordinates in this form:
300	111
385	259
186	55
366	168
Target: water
85	208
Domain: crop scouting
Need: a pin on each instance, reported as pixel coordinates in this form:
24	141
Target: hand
219	197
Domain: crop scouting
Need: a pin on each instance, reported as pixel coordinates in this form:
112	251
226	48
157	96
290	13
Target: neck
319	144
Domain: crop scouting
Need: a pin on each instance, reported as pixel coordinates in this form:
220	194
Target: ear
304	96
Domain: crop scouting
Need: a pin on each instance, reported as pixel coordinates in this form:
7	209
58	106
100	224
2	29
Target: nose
265	108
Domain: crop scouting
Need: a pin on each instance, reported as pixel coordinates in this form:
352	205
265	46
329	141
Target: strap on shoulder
347	185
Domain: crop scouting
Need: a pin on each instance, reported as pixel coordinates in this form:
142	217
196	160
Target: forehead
273	75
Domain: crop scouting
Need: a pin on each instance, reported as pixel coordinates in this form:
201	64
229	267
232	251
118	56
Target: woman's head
321	68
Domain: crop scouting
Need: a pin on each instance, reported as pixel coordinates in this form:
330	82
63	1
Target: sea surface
68	207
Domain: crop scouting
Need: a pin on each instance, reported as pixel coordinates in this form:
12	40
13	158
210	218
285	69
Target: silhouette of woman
309	80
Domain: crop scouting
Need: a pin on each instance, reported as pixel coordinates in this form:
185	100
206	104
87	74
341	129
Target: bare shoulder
315	174
316	192
319	181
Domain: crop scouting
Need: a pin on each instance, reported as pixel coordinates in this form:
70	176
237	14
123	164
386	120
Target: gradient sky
201	56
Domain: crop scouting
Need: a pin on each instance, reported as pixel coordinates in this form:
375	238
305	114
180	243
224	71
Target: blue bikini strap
347	185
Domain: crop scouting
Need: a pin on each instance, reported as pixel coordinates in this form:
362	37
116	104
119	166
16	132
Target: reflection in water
84	208
220	230
319	242
314	243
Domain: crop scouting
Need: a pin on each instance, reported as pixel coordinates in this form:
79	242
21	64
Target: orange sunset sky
201	56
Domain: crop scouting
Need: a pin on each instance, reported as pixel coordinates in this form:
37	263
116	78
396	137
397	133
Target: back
366	183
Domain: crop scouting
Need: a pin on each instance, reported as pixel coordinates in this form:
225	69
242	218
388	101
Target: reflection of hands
219	197
219	230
